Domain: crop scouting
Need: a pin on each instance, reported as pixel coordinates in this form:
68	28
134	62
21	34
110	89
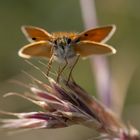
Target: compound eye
69	41
55	42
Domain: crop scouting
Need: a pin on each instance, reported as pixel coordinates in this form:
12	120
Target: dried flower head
67	104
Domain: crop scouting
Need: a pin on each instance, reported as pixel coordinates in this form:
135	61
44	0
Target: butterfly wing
100	34
88	48
38	49
35	34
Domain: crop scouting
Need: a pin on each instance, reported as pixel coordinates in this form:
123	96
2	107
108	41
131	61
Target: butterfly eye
55	42
69	41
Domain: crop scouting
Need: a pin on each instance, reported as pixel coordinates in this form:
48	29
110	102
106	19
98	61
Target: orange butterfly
66	47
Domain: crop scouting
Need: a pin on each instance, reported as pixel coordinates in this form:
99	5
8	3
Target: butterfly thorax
63	49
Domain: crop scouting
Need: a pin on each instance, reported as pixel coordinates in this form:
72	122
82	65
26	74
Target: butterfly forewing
87	48
100	34
40	48
35	34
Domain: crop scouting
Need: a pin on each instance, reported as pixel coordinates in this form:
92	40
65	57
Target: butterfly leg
49	65
60	71
71	70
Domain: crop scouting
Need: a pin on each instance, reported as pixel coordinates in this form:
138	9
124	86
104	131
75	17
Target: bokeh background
65	15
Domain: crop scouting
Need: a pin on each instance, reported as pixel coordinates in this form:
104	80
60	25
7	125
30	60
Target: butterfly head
63	47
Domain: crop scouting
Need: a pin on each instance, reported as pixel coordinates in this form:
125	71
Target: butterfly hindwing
37	49
87	48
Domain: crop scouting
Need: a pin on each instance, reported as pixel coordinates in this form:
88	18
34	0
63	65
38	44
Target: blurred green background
64	15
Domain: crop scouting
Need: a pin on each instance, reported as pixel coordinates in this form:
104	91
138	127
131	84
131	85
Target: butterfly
66	47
